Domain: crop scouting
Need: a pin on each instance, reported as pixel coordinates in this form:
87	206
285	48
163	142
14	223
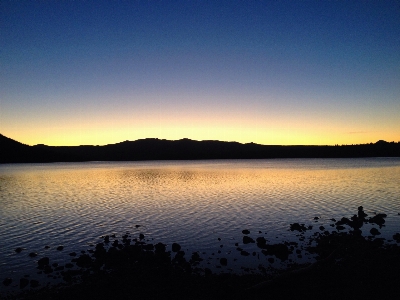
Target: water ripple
192	203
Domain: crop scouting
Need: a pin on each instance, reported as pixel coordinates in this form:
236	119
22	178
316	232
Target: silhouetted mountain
12	151
185	149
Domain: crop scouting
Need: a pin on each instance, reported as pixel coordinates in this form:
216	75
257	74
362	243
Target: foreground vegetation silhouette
348	265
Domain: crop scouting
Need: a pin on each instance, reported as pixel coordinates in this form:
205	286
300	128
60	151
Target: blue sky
270	72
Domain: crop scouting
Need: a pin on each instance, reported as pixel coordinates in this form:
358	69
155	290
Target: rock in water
247	240
374	231
7	281
34	283
223	261
23	282
176	247
43	262
396	237
298	227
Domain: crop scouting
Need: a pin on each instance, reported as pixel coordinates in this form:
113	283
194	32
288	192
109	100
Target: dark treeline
155	149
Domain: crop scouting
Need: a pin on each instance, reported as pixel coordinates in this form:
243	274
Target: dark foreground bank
348	266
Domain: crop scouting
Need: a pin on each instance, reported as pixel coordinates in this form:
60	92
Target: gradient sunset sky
269	72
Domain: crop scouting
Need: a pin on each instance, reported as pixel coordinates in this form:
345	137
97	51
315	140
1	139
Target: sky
268	72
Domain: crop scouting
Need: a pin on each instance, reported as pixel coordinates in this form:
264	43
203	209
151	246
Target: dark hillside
184	149
14	152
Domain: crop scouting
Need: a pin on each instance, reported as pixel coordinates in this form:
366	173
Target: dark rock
247	240
32	254
297	227
374	231
7	281
43	262
207	272
47	269
106	239
69	265
34	283
223	261
261	240
180	254
343	221
84	261
141	236
23	282
378	219
281	251
196	257
148	247
176	247
361	213
18	250
322	228
396	237
137	226
316	218
46	247
245	231
244	253
160	248
60	248
72	254
340	227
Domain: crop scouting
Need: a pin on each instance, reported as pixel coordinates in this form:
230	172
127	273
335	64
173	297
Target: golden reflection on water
190	182
192	203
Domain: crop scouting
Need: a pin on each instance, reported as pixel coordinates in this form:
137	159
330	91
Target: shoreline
347	265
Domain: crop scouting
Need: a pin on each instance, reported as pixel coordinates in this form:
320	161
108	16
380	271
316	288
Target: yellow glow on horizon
203	122
266	136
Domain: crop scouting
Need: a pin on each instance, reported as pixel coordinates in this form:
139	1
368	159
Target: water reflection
192	203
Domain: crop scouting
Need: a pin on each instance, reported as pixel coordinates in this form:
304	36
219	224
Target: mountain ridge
12	151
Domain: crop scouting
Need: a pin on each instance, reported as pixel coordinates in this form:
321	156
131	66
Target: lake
202	205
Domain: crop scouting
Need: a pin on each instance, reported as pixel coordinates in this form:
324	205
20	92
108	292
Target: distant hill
12	151
155	149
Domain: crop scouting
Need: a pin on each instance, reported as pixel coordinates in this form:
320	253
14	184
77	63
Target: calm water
192	203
